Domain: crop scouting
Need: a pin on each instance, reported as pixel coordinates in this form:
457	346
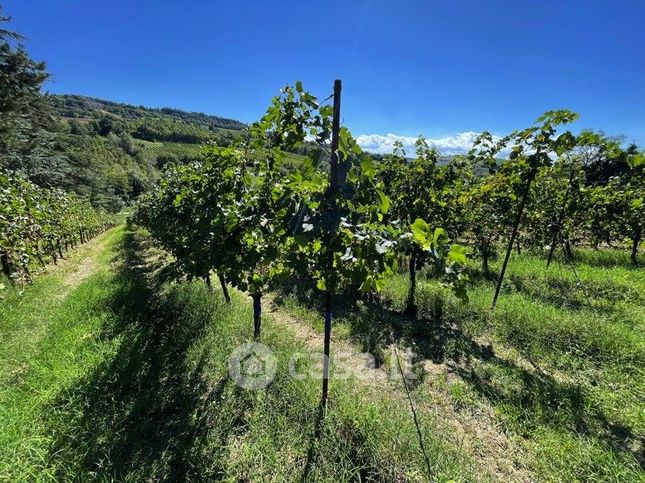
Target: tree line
76	106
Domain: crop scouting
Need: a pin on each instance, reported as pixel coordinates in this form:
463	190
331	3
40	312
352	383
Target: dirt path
350	353
477	432
86	263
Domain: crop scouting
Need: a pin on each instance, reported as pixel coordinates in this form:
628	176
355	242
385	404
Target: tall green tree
23	111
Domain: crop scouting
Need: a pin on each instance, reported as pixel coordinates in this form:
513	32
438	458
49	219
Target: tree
488	207
602	157
193	213
555	212
532	149
239	213
23	112
7	34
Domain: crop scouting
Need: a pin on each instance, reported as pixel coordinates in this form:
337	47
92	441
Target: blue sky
439	68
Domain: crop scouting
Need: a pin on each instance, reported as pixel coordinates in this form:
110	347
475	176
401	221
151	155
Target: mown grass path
553	379
479	435
46	340
110	371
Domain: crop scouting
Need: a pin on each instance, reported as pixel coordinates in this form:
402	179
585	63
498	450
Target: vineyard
244	215
187	297
39	225
398	253
346	226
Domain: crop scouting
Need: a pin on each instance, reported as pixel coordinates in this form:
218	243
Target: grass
560	362
125	377
110	371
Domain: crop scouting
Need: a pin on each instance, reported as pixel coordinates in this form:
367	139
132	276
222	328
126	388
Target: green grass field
110	372
560	363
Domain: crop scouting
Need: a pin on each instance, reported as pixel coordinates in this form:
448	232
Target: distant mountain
82	107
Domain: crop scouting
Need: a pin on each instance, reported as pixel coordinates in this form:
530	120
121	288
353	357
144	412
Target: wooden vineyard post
222	282
334	185
257	315
516	225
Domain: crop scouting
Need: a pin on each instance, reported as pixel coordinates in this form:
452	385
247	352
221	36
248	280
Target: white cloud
377	143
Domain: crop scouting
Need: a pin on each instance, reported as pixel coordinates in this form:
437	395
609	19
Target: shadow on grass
571	295
554	288
532	399
350	442
146	412
526	394
606	257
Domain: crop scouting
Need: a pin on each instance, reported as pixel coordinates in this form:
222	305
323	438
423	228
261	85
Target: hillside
111	152
78	106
